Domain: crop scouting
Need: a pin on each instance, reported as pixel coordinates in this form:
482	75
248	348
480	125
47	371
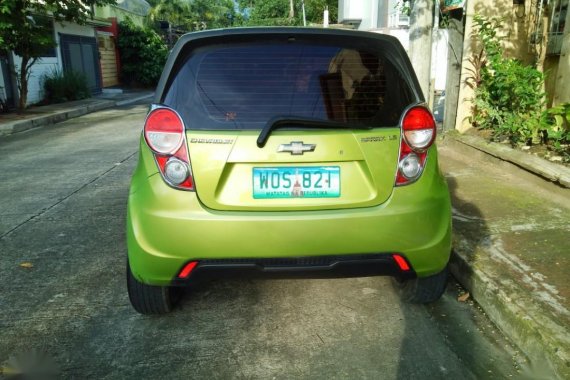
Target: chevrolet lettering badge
296	147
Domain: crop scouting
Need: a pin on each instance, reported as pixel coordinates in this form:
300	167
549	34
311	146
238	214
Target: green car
287	152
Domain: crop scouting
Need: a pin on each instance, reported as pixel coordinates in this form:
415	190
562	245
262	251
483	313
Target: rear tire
149	299
423	289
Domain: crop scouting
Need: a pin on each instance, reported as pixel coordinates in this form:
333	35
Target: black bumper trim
358	265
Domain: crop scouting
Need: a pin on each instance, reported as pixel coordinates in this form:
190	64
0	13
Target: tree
286	12
138	45
175	12
24	30
214	13
273	12
184	15
315	8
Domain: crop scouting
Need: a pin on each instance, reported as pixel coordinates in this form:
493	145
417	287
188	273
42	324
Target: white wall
35	84
369	14
78	30
364	10
439	59
350	9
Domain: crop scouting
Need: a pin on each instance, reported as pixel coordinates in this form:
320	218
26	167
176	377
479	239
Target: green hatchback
287	152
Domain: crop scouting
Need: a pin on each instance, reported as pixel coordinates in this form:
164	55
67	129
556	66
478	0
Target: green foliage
143	54
214	13
404	6
269	13
509	99
65	86
194	15
314	10
184	16
508	94
22	33
278	12
558	133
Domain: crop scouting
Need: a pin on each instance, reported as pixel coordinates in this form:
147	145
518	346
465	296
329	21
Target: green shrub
558	132
142	52
65	86
509	99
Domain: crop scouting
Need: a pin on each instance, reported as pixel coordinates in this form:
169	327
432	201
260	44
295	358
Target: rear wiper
280	122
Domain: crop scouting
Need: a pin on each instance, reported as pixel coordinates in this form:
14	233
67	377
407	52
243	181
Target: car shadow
456	318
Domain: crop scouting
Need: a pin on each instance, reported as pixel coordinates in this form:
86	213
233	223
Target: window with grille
557	25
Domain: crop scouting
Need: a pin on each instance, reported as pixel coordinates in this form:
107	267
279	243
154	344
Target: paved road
63	193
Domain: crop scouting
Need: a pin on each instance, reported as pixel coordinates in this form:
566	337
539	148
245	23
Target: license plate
296	182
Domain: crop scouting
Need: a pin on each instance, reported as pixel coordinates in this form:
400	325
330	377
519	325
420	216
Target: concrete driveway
63	193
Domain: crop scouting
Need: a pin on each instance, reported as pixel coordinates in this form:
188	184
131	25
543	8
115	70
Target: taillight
402	263
164	134
418	132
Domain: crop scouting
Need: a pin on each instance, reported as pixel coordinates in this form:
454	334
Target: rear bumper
297	267
166	228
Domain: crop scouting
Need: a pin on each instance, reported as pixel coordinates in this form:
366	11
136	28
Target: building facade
76	49
89	49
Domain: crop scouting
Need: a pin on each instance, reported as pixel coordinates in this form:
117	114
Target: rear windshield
243	86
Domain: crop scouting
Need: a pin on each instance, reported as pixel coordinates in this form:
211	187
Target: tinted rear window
243	86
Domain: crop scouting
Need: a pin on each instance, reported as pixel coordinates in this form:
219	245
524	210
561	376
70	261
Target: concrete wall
439	59
562	77
401	34
550	68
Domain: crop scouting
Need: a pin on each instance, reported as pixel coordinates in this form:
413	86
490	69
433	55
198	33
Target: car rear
287	150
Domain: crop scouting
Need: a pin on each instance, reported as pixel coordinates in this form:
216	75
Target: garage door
80	54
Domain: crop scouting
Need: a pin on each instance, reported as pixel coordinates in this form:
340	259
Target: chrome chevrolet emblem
296	147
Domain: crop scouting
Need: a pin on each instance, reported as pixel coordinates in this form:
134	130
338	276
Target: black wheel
425	289
148	299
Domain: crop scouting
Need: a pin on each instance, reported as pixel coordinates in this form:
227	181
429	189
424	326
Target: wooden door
107	52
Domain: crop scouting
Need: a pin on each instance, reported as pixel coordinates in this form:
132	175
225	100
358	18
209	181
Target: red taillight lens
418	127
163	131
418	130
164	134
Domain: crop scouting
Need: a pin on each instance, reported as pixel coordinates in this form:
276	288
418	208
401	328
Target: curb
133	100
539	166
59	116
538	336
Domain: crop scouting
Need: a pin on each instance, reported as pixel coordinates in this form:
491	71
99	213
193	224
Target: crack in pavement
45	210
